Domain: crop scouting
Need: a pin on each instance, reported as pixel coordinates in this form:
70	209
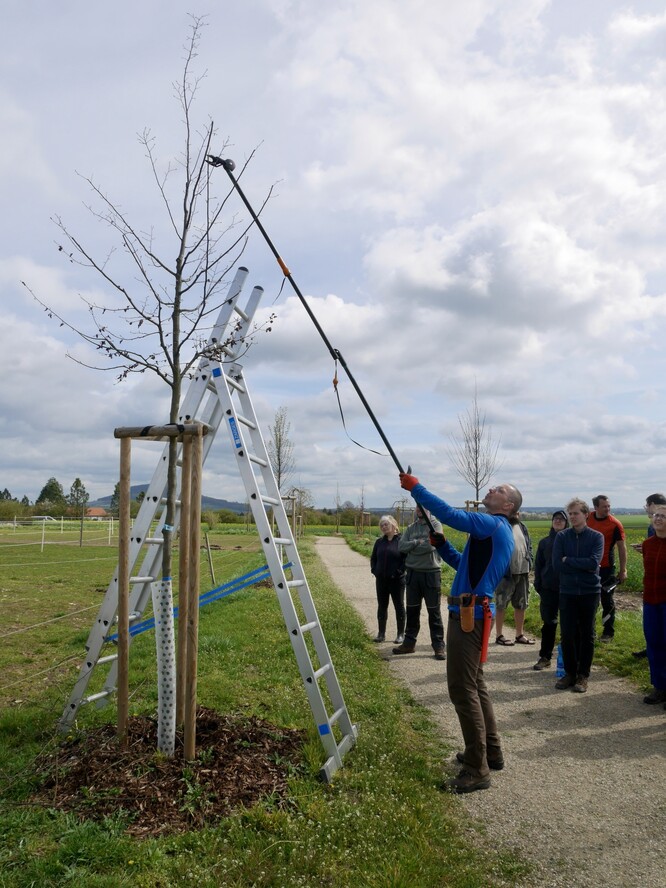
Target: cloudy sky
469	195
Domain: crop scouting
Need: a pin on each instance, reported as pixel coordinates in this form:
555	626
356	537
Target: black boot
400	633
381	634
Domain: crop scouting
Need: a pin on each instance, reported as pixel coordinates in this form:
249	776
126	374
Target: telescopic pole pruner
229	166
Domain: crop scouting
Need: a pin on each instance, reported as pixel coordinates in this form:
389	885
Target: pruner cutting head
228	164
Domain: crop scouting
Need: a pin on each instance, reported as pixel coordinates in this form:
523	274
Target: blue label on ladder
217	372
234	432
324	729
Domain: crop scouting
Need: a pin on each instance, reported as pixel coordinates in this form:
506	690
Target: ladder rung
227	351
243	315
270	501
246	422
294	584
142	579
282	541
158	541
234	384
110	659
322	671
308	627
336	715
258	460
163	501
100	696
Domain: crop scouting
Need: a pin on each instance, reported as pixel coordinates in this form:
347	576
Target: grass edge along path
382	822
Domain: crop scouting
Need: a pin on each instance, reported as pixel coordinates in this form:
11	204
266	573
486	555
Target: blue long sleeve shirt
487	553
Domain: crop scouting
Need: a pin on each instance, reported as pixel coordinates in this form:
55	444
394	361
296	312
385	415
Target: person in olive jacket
387	565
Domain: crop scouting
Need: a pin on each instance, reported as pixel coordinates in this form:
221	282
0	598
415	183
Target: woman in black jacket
548	587
388	568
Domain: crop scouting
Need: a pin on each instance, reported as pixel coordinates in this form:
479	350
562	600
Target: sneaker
656	696
640	655
542	663
440	654
379	638
466	782
399	639
567	681
606	638
493	764
581	684
407	647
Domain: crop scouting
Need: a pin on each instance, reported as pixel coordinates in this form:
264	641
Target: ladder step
163	501
234	384
239	311
294	584
246	422
308	627
110	659
322	671
142	579
100	696
158	541
337	715
270	501
258	460
282	541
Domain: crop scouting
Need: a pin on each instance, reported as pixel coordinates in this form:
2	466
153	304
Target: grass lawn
382	822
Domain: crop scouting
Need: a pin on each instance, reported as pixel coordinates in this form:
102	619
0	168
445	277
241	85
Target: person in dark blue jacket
577	554
479	568
387	565
547	586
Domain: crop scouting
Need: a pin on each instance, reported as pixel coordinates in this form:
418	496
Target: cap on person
560	513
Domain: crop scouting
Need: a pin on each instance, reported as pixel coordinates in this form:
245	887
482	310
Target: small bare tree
164	285
474	453
281	449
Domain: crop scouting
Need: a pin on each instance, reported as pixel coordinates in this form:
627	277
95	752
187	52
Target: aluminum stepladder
255	469
209	399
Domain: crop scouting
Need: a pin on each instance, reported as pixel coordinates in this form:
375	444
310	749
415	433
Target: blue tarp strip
248	579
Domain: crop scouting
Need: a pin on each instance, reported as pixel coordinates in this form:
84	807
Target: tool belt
466	604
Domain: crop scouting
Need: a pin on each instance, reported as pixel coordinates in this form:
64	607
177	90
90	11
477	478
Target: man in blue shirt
479	568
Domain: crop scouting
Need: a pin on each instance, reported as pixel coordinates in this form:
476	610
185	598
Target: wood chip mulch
239	760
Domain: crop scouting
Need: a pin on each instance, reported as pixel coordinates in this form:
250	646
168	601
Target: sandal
504	641
523	639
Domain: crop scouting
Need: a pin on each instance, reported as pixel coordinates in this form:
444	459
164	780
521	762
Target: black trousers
607	602
549	606
425	585
577	615
391	589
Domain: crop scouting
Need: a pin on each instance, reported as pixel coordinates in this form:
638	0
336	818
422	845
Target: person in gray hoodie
548	587
423	567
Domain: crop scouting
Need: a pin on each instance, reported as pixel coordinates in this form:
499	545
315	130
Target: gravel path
583	795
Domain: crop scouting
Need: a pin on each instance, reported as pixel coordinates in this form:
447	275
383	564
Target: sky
470	196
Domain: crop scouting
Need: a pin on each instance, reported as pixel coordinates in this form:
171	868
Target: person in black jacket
387	566
548	588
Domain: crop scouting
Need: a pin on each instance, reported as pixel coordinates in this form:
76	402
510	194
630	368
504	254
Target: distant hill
207	502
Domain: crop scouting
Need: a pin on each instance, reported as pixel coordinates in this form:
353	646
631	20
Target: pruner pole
229	166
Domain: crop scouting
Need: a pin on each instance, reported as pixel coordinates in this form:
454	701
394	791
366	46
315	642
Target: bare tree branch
474	454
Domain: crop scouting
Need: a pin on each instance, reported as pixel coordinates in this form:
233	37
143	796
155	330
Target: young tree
167	282
474	454
78	497
6	495
281	449
114	503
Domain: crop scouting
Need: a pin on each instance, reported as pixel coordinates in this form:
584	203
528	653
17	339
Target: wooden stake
123	589
183	576
193	603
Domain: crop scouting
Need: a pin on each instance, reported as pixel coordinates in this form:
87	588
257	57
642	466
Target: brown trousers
469	695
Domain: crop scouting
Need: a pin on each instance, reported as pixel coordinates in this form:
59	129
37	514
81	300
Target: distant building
97	513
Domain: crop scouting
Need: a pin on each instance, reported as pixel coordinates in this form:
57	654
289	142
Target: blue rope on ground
248	579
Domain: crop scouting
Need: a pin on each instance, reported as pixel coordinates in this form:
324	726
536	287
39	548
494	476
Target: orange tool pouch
487	626
467	603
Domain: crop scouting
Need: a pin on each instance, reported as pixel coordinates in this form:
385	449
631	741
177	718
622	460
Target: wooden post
183	576
123	589
193	603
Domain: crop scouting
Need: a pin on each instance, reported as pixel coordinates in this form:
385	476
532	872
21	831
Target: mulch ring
239	760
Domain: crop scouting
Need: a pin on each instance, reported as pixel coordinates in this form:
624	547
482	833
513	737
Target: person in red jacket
613	533
654	605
